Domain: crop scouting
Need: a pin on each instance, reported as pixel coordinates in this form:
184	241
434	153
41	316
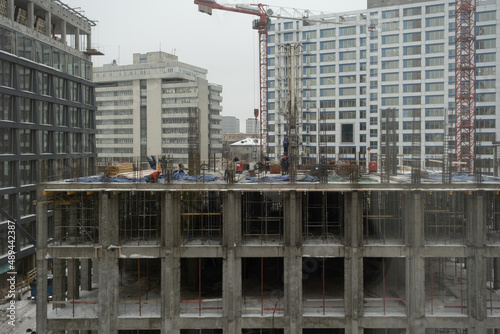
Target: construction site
347	252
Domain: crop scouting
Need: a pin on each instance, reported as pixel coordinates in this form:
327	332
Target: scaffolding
445	286
262	217
444	217
201	286
323	286
76	218
194	141
493	218
140	217
140	287
323	217
201	217
383	218
493	282
389	129
262	286
384	282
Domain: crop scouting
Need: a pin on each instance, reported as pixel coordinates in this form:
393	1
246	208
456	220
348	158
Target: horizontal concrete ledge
445	251
323	251
460	321
195	252
139	323
382	321
73	324
72	252
385	251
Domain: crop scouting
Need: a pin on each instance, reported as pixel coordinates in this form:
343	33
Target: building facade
157	106
47	128
397	58
270	258
230	124
252	126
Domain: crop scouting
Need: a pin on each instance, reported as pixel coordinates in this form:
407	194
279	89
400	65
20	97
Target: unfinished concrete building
304	258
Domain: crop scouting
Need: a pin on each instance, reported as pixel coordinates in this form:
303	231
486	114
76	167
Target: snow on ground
25	316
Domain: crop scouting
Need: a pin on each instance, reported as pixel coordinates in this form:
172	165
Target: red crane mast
260	25
465	84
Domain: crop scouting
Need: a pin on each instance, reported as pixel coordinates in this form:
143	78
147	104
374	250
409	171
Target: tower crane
265	13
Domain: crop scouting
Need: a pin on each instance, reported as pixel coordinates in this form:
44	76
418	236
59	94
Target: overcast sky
224	43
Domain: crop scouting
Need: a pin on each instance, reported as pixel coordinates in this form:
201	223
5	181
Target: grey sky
224	43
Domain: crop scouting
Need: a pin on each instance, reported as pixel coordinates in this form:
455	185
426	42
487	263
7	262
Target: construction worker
152	161
285	146
181	166
236	159
163	164
284	165
153	177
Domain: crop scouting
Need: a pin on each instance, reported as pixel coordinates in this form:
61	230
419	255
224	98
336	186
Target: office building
398	58
252	126
157	106
230	124
47	113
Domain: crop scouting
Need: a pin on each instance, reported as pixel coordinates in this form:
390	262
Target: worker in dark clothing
181	166
284	165
152	161
153	177
163	164
236	159
285	146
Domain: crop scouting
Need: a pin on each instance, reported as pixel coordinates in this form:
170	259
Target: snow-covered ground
25	316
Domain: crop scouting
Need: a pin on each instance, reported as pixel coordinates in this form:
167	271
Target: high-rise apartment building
399	59
157	106
47	111
252	126
230	124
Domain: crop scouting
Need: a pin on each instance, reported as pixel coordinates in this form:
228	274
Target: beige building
157	106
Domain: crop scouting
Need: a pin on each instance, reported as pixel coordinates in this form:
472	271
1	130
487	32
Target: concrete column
71	223
95	271
31	14
11	9
63	32
77	39
108	263
353	273
496	273
59	282
48	24
41	261
86	274
476	264
171	274
415	264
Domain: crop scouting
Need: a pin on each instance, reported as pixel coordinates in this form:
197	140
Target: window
486	16
309	47
486	44
434	35
485	84
412	37
347	79
434	87
434	21
327	81
288	25
435	99
328	92
308	59
347	115
327	45
434	112
486	70
434	125
307	35
485	97
328	69
327	104
327	33
411	100
387	14
412	24
434	48
434	74
392	89
412	50
348	55
412	63
390	39
390	101
346	31
435	61
411	112
390	76
486	57
347	43
288	36
347	103
390	52
412	88
485	124
412	75
486	30
347	133
486	110
412	11
434	9
327	57
346	91
309	70
344	68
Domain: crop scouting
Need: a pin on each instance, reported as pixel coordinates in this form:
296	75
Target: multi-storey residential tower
252	126
153	106
47	111
230	124
397	58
